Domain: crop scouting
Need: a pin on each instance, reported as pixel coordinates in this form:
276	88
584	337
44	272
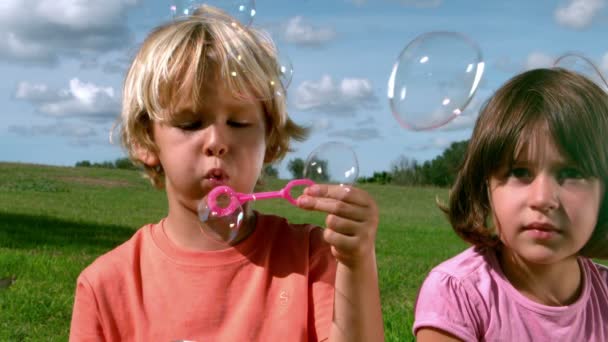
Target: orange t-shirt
277	285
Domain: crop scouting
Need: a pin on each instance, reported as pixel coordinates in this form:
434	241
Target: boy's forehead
210	95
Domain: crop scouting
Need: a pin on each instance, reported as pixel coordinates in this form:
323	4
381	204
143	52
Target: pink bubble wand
237	199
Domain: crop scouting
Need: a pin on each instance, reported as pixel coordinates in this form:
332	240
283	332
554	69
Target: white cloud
345	98
436	143
40	31
57	129
357	134
538	60
320	124
421	3
299	32
408	3
366	122
81	100
578	14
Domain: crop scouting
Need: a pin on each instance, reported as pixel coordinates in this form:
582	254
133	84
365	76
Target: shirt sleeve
321	279
444	303
85	325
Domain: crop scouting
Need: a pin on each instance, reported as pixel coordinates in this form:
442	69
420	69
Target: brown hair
179	57
575	112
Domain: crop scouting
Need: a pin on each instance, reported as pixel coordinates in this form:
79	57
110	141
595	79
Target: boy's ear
270	154
146	156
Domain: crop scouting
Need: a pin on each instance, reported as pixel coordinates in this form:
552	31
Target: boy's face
544	207
222	143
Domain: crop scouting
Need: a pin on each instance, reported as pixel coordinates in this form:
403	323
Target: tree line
440	171
126	164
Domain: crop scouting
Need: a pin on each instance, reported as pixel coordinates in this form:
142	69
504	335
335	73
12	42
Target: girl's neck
556	284
183	228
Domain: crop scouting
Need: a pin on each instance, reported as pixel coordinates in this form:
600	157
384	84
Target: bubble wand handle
237	199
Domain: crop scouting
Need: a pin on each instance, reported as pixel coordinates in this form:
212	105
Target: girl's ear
146	156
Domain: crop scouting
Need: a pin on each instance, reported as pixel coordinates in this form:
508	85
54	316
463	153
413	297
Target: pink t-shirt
277	285
469	297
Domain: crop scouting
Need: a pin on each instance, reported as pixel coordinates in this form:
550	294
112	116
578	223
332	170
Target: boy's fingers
343	243
332	206
342	225
343	193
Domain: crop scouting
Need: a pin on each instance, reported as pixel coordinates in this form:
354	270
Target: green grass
54	221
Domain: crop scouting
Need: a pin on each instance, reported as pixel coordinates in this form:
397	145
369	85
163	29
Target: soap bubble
332	162
285	68
433	80
226	228
241	10
584	66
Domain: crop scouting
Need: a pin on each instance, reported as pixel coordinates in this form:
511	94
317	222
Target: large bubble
433	79
580	64
332	162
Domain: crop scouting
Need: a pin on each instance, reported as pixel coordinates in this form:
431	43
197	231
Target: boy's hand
352	221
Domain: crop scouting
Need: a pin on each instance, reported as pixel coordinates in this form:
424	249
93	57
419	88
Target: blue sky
63	62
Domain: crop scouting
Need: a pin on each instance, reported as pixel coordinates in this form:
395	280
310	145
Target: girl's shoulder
596	271
472	262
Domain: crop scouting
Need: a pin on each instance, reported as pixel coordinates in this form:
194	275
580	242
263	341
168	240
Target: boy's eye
238	124
190	126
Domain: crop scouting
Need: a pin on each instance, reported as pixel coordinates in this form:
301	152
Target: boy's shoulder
109	264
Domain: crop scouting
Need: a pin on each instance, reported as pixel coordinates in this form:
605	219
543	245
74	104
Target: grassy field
54	221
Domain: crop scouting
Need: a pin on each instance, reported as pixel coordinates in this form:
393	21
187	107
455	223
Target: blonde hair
573	109
178	57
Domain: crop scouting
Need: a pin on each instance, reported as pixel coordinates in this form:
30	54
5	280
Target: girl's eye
570	173
190	126
520	172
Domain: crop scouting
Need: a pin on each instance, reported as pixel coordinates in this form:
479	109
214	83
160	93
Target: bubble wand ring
237	199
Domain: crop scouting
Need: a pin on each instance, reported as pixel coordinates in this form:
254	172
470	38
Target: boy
201	108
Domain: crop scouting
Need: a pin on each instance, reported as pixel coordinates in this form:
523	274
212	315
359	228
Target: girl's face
544	208
223	143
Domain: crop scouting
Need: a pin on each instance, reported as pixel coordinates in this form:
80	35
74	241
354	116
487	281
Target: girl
530	196
202	107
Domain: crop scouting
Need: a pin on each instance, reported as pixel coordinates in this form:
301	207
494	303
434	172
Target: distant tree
105	164
270	171
124	163
405	171
296	167
83	163
380	178
440	171
444	168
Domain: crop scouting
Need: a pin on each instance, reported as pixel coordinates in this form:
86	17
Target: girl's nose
215	142
544	193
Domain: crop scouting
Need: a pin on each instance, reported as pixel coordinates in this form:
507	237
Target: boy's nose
544	193
215	144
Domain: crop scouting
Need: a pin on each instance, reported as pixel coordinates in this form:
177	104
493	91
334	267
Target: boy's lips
217	176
